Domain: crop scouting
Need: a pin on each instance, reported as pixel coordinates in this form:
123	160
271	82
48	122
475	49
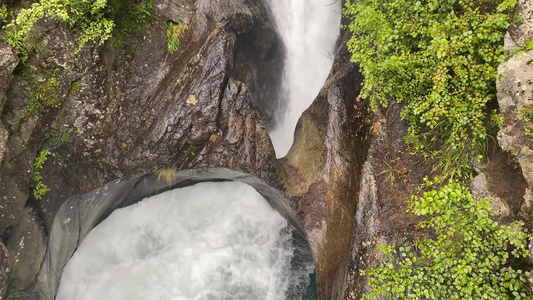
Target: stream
212	240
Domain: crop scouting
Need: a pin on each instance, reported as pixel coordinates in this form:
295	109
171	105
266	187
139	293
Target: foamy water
207	241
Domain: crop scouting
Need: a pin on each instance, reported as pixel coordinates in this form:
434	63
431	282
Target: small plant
168	174
75	86
3	14
45	95
391	172
472	257
174	33
527	115
39	188
53	142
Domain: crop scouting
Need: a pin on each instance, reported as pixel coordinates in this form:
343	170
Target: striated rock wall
321	171
138	109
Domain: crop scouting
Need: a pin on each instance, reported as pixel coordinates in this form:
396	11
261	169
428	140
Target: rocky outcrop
8	62
515	98
321	171
138	107
521	31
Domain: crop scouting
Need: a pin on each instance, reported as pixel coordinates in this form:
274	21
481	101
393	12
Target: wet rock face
389	176
137	107
3	139
27	254
322	172
258	64
178	11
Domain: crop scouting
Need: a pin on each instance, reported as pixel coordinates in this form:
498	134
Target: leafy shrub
472	257
86	16
438	58
174	34
3	14
94	20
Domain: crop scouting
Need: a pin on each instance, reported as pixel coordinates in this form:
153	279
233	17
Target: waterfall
213	240
309	30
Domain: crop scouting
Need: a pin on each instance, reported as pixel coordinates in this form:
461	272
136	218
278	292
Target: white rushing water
309	30
207	241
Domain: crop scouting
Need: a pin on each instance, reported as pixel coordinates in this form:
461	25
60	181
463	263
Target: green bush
86	16
472	256
439	59
94	20
3	14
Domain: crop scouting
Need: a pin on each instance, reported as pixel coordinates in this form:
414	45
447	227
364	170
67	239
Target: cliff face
131	109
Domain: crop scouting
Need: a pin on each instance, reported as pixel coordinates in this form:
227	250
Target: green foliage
88	17
438	58
39	188
174	34
472	256
94	20
45	95
3	14
131	16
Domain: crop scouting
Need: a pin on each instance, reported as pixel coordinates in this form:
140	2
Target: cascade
309	29
211	240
